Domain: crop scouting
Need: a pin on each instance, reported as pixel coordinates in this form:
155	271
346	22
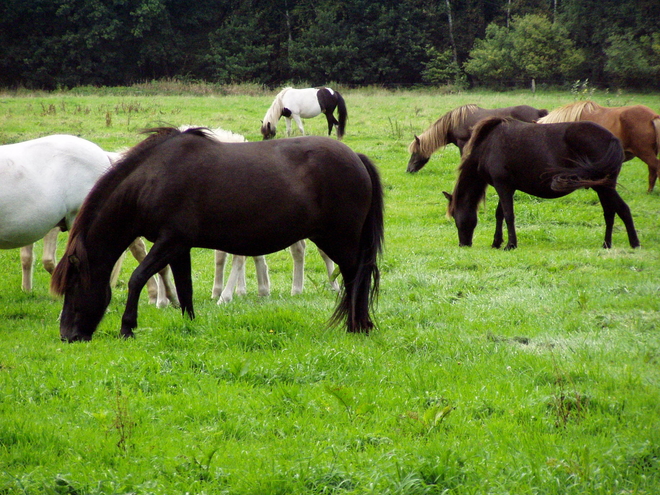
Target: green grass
531	371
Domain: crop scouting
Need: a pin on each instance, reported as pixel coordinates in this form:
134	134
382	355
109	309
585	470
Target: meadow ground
530	371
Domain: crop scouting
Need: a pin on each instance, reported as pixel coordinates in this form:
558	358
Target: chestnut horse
546	161
185	189
637	126
455	127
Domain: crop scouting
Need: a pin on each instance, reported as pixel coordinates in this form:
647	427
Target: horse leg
116	269
237	267
49	259
332	121
506	202
218	279
161	254
612	204
330	268
155	289
499	220
653	165
298	255
263	282
298	120
181	272
27	263
288	126
170	289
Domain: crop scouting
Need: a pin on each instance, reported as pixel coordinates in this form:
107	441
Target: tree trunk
451	33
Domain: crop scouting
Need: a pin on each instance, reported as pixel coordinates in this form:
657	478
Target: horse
547	161
236	280
44	182
455	126
184	189
307	103
637	126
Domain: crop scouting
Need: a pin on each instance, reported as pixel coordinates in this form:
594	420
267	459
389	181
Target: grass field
530	371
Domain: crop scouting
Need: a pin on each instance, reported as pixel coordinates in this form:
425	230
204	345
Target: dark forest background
48	44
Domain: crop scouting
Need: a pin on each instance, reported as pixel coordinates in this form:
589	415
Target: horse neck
275	111
470	187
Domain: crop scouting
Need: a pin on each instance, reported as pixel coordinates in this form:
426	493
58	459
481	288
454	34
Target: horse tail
355	305
589	173
343	115
656	125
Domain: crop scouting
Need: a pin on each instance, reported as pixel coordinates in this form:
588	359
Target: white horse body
43	183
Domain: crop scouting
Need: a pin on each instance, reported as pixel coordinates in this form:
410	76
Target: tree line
48	44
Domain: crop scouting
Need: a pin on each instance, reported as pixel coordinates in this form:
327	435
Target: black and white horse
305	103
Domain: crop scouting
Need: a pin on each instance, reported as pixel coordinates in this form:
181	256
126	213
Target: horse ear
416	139
448	196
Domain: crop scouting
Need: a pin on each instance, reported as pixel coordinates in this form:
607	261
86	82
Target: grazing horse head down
455	127
185	189
298	104
547	161
637	126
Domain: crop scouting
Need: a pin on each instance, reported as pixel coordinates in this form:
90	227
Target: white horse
236	280
43	183
298	104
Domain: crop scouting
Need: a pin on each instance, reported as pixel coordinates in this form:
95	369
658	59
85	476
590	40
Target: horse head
268	131
417	159
464	217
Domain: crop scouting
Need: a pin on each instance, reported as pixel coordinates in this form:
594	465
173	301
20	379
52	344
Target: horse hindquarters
358	261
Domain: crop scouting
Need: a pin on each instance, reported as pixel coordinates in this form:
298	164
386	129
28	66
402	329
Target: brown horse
546	161
637	126
185	189
455	127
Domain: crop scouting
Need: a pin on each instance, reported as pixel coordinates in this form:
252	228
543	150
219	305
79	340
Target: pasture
535	370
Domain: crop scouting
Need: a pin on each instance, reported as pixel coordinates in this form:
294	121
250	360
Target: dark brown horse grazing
637	126
547	161
455	127
185	189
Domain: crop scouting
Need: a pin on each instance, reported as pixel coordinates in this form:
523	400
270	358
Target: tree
633	61
532	48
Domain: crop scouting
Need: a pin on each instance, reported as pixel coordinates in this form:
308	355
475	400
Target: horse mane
468	165
76	252
275	111
436	135
570	112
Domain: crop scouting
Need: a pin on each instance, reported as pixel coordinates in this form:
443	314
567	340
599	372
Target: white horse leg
298	255
237	269
116	269
298	120
219	277
170	289
263	282
288	126
27	261
330	268
49	259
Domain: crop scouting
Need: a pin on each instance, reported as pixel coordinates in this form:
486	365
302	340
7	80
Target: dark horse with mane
185	189
547	161
455	127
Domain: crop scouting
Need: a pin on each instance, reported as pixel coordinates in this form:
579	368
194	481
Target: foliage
442	69
49	44
533	48
631	61
532	371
